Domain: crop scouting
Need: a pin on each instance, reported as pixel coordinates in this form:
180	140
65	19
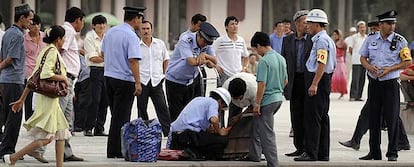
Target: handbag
47	87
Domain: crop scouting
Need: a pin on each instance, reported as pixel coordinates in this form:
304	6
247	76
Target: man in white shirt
358	71
153	65
231	51
96	116
348	58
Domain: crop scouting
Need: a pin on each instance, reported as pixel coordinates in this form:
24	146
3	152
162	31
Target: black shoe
294	154
392	158
359	99
403	147
245	158
350	144
88	133
323	158
73	158
304	157
371	157
78	129
100	134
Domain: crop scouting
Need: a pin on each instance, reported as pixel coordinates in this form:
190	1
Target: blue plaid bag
141	140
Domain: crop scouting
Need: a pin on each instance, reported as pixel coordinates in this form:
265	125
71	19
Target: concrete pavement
343	116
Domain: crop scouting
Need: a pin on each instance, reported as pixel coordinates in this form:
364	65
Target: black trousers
383	96
316	118
363	125
178	96
96	116
204	144
358	81
81	103
11	93
297	104
120	99
158	99
28	107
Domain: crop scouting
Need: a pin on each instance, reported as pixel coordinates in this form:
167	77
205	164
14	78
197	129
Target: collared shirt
13	47
230	53
300	49
179	71
32	51
355	43
196	115
322	41
92	45
120	44
249	97
276	42
377	50
151	64
273	71
70	52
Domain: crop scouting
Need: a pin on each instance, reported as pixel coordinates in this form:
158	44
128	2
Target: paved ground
343	115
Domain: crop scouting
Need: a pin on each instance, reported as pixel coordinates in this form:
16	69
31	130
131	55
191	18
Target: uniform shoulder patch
399	37
372	33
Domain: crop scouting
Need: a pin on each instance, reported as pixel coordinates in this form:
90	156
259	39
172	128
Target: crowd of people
107	69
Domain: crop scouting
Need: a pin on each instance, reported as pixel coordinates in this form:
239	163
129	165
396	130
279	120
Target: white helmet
224	94
317	16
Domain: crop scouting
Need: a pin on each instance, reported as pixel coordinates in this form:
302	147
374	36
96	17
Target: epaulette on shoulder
399	37
190	40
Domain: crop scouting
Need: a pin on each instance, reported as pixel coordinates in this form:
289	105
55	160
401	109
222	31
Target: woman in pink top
339	83
33	45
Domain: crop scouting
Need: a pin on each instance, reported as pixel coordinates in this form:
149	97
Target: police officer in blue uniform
319	68
384	54
192	50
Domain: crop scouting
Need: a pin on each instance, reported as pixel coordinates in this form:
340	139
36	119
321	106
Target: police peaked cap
137	10
208	32
388	16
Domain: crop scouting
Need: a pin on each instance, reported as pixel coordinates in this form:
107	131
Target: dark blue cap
208	32
137	10
388	16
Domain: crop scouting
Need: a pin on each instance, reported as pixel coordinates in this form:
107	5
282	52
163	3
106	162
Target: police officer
384	54
192	50
121	51
373	26
319	68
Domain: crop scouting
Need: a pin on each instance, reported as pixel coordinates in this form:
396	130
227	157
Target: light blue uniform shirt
12	46
119	45
321	40
276	42
377	50
196	115
272	70
179	71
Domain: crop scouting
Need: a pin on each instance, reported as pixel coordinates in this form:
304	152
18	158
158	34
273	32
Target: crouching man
197	130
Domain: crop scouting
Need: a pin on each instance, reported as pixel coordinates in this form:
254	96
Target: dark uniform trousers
178	97
316	118
120	99
158	99
28	109
358	81
297	103
81	103
383	96
363	125
96	116
10	92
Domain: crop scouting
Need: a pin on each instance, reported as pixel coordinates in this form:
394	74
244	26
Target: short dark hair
237	87
36	19
24	14
74	13
198	17
286	21
53	33
146	21
275	25
98	19
260	38
230	18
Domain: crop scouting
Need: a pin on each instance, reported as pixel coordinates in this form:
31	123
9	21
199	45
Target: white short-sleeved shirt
70	54
230	53
151	64
92	45
249	97
355	43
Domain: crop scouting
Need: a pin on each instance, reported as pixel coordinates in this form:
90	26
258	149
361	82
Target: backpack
141	140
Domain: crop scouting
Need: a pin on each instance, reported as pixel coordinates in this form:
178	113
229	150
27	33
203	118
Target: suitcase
239	138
